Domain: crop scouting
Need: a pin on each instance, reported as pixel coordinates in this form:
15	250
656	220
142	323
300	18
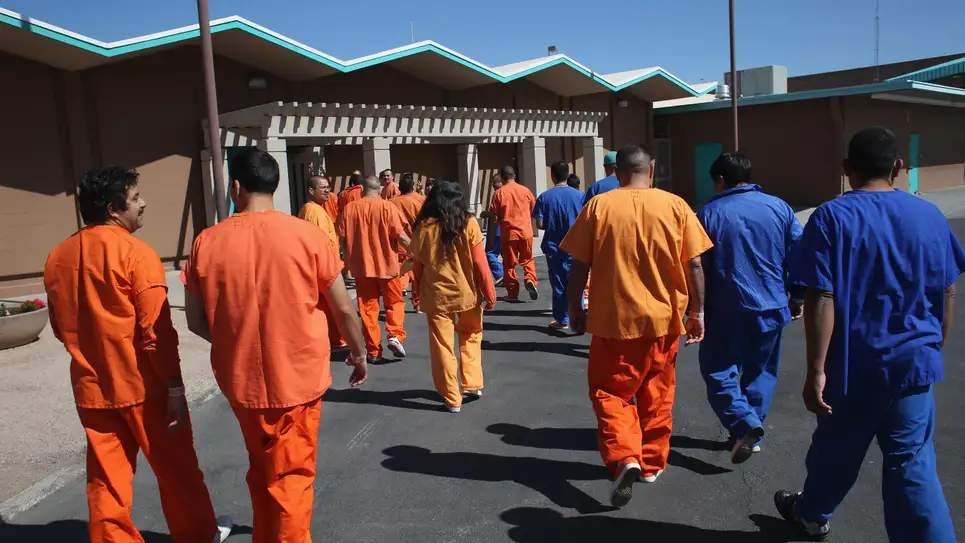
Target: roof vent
723	92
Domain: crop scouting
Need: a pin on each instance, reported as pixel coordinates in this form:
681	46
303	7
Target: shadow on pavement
396	398
565	349
514	313
533	524
507	327
548	477
685	442
68	531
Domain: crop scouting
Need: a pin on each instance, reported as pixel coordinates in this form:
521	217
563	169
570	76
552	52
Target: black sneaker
533	291
622	490
785	502
498	282
744	447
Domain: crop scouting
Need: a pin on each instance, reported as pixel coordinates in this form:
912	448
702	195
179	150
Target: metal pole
411	32
214	127
733	78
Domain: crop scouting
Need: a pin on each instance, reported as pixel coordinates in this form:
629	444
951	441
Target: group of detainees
872	275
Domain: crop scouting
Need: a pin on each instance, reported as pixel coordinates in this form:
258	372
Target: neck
640	182
560	184
259	202
876	185
735	186
370	194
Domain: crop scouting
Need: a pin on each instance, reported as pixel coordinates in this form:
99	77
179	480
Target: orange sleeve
694	240
415	246
189	273
328	265
310	214
532	201
147	271
473	233
395	222
159	339
580	239
340	227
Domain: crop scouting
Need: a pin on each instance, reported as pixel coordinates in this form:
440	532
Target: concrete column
592	161
278	149
469	175
533	163
207	175
376	156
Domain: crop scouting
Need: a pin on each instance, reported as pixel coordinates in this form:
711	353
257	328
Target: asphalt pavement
521	464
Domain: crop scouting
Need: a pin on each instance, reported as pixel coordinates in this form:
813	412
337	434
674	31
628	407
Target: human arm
949	313
51	315
818	328
579	242
795	291
481	266
538	213
197	318
579	274
346	320
695	291
159	344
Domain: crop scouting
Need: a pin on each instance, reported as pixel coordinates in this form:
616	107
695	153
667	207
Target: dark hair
633	158
558	171
506	173
573	180
406	184
447	205
872	153
734	168
385	170
355	180
103	187
255	170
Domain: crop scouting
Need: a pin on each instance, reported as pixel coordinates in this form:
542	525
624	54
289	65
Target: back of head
872	154
733	168
573	180
355	180
371	184
446	204
407	183
102	190
633	159
255	170
559	171
507	173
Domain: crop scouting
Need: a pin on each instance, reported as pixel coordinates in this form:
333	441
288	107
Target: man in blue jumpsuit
494	247
606	184
880	267
555	211
747	299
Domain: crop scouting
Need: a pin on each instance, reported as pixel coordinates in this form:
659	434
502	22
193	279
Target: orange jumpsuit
261	277
319	216
410	205
108	305
390	190
637	243
345	197
371	228
513	205
331	207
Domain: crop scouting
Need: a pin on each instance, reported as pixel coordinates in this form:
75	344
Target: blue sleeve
538	209
793	236
590	193
812	258
954	259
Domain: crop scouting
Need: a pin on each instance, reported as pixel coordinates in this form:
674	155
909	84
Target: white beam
592	160
376	156
469	175
278	149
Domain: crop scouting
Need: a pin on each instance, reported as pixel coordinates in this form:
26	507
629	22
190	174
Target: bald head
319	188
371	184
634	166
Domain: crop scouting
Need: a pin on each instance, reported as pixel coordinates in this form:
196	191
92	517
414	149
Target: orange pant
334	337
113	439
618	372
282	445
447	374
369	290
518	252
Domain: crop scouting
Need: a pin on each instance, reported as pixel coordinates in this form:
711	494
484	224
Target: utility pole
733	78
877	22
214	127
411	32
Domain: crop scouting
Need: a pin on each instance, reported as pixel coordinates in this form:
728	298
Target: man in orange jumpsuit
390	189
314	211
107	298
513	206
643	245
349	194
254	283
409	203
373	232
331	203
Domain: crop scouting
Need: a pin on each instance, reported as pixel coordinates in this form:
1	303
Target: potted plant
21	322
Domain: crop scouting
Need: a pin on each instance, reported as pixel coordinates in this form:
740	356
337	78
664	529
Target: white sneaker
453	408
651	478
622	489
756	449
396	347
476	393
225	525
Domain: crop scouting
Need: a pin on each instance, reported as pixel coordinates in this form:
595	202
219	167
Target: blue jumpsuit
887	257
558	208
746	305
494	250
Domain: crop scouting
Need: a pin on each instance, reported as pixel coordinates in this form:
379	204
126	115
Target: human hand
490	304
814	394
177	409
797	309
361	369
695	330
577	321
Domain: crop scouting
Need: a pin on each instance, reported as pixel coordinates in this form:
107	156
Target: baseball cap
610	158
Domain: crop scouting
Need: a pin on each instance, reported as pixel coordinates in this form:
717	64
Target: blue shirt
888	258
603	185
558	208
746	270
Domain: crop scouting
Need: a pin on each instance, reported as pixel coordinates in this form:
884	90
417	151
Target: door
913	164
704	156
661	178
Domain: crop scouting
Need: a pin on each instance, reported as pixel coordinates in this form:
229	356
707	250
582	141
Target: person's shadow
68	531
548	477
404	399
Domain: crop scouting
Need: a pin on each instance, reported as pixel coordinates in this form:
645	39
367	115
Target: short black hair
573	180
559	170
385	170
633	158
506	173
872	153
103	187
734	168
255	170
407	183
355	180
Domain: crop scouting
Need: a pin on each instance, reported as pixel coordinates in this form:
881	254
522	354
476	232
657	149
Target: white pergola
277	126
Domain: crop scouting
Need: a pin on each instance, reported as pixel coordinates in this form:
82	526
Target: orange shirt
371	228
410	205
513	204
637	243
317	215
390	190
331	206
108	305
261	277
448	283
346	196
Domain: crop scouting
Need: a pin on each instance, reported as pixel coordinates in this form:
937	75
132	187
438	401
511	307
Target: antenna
411	32
877	34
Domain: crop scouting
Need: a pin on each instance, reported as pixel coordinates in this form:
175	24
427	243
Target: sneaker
369	359
559	325
757	448
225	525
744	447
650	477
453	408
622	489
786	503
475	393
498	282
533	292
396	347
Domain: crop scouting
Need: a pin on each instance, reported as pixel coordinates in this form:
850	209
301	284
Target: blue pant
493	251
739	365
559	272
903	423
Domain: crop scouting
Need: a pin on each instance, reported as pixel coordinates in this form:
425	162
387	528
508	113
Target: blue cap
610	158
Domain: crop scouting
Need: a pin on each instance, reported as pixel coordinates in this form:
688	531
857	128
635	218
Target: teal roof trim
938	71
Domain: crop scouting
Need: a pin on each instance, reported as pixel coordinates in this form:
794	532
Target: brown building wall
425	161
863	76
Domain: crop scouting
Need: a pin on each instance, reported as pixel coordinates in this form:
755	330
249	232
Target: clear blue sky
688	38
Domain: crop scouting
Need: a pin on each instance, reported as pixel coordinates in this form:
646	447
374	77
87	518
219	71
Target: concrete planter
17	330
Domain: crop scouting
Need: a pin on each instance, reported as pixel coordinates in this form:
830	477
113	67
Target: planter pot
17	330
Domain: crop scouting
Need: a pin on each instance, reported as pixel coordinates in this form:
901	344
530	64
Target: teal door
704	156
913	164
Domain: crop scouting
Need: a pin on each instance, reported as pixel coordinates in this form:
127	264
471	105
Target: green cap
610	158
